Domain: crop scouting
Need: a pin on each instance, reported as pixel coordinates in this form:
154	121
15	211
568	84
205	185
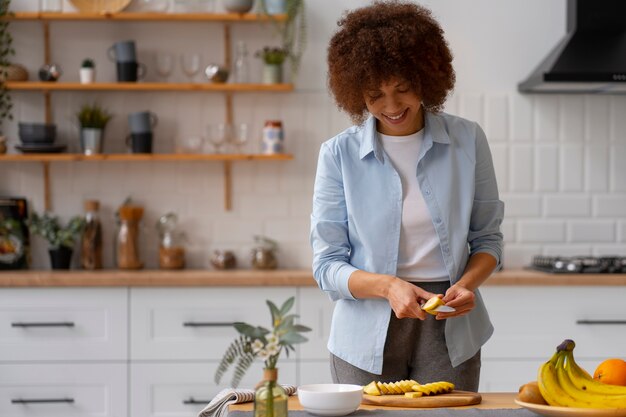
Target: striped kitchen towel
218	407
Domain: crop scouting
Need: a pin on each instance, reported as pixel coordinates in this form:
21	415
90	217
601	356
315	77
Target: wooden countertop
491	400
248	278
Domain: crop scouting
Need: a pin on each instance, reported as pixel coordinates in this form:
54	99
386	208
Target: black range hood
592	56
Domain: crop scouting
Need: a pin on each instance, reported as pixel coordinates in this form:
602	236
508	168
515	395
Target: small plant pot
60	258
272	74
87	75
276	6
91	141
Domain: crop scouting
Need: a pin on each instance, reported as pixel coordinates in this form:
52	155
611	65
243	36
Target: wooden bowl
103	6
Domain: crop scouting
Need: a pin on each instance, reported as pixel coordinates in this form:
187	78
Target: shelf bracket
47	200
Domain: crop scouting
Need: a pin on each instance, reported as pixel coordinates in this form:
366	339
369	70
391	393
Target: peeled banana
409	388
563	383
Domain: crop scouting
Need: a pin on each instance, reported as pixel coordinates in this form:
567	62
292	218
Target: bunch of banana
563	383
410	388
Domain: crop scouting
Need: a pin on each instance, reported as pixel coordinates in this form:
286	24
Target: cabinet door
63	390
508	375
66	324
184	389
316	312
531	321
196	324
314	372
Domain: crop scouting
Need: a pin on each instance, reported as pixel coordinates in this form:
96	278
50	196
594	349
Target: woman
405	206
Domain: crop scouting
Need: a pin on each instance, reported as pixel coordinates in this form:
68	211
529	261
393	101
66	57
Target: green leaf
284	309
242	366
274	310
292	338
300	328
244	329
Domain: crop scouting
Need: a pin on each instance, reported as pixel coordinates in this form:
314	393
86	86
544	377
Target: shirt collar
434	131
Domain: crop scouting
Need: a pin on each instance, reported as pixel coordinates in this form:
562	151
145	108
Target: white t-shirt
419	257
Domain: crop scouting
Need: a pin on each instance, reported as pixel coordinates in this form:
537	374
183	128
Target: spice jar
127	248
264	254
223	259
171	249
91	240
273	137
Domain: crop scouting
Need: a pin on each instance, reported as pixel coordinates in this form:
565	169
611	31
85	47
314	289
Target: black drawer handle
193	401
207	324
43	324
42	400
600	321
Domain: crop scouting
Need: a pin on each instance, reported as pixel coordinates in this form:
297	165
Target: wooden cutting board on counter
452	399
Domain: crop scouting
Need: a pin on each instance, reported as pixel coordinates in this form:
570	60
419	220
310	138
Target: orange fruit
611	371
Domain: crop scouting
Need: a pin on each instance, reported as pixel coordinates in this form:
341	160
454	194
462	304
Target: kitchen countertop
491	400
249	278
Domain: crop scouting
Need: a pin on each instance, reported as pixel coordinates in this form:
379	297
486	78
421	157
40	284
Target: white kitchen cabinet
63	390
183	389
316	312
67	324
531	321
195	323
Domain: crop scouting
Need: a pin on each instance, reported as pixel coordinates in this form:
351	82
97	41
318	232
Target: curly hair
389	39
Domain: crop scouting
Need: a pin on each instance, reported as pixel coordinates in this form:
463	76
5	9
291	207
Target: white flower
272	348
264	354
272	339
257	345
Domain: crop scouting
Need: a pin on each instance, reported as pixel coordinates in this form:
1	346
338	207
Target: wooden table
490	400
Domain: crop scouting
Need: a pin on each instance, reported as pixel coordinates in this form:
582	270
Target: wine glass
218	134
191	63
164	64
240	135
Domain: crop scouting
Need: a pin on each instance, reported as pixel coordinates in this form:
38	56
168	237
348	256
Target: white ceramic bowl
330	399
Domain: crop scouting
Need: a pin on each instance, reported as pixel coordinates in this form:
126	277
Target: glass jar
241	73
171	249
264	254
127	241
91	239
270	399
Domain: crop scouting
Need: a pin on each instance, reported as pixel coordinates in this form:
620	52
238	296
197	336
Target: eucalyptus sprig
49	227
258	341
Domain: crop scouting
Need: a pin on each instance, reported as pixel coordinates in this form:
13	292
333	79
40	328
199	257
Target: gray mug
142	121
123	51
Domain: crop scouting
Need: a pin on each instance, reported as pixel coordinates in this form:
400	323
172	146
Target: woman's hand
405	299
459	297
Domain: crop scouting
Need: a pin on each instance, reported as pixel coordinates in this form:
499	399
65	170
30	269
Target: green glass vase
270	399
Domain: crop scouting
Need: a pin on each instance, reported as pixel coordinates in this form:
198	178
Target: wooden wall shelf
147	86
147	16
69	157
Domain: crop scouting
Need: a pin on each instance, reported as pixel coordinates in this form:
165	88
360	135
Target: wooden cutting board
452	399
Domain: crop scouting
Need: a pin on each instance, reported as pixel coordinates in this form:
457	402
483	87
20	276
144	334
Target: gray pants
414	349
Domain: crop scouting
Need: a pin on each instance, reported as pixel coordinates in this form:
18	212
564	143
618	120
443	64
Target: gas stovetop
580	264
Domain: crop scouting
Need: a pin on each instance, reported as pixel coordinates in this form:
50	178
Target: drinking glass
240	136
218	134
191	63
164	64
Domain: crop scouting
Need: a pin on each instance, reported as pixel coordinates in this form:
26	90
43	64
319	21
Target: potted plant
6	51
293	31
92	119
270	399
87	71
60	238
273	59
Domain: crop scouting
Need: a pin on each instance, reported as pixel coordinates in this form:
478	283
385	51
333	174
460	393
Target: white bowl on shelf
330	399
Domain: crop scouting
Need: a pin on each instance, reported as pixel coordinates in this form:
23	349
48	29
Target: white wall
559	158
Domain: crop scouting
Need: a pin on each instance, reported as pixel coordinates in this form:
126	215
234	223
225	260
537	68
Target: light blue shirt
355	224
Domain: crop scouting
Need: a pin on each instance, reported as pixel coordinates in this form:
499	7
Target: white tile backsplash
559	159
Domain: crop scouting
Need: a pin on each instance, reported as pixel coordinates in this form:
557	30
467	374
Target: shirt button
438	220
427	192
446	250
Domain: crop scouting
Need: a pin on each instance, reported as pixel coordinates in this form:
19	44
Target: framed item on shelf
14	237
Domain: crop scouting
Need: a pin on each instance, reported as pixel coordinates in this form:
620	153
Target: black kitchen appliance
580	264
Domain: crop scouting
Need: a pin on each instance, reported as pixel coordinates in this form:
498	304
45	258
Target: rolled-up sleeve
329	228
487	210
